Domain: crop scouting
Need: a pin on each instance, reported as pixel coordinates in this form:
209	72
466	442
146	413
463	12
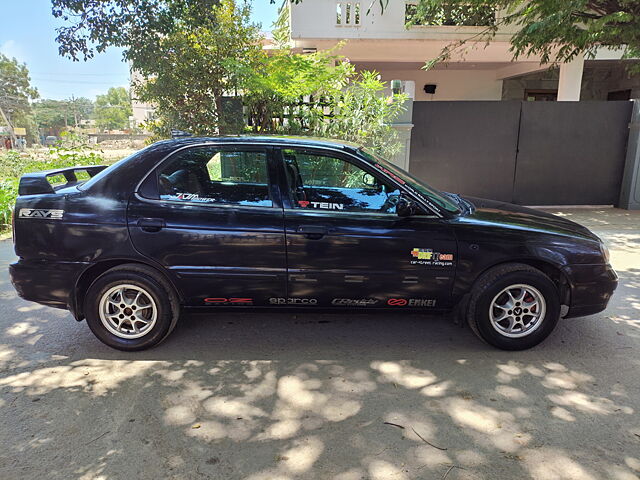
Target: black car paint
285	256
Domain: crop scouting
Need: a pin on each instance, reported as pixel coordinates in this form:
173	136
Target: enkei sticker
293	301
354	302
411	302
323	205
41	213
228	301
426	256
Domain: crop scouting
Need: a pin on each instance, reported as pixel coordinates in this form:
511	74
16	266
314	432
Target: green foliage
54	115
200	62
15	93
8	195
557	31
112	110
321	95
461	14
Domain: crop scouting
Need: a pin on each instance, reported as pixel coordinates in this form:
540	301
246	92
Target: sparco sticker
426	256
293	301
41	213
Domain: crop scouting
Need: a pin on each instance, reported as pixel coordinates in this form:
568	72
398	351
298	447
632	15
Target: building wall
598	79
317	19
451	84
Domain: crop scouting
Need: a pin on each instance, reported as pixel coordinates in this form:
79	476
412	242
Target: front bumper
592	287
48	283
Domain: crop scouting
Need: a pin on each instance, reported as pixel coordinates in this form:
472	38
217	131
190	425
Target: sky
27	32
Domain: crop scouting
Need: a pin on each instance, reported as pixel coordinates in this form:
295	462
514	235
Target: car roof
266	140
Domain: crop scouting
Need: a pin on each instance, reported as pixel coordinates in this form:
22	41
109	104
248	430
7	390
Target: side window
214	175
321	182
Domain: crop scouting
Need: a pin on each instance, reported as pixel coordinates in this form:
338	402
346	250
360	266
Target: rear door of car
212	215
346	245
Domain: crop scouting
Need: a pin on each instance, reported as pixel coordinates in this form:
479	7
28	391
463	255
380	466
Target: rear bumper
48	283
592	287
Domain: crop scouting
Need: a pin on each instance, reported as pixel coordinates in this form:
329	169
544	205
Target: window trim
271	182
288	204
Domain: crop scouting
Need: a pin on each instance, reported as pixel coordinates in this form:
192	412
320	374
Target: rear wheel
514	307
130	308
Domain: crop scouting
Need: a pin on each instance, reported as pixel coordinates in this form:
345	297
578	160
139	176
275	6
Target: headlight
605	252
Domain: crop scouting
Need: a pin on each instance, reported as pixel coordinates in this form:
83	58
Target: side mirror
369	180
406	207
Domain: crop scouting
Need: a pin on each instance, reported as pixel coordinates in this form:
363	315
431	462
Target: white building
381	41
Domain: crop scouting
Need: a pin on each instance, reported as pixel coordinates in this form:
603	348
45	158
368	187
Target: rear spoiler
38	182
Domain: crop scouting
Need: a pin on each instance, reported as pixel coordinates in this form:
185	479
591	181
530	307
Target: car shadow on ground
257	396
285	396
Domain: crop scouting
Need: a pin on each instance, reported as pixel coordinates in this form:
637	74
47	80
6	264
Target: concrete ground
349	397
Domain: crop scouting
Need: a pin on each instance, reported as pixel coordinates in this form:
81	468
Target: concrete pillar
630	191
570	82
403	125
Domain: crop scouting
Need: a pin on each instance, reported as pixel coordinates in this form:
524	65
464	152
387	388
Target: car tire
131	307
513	307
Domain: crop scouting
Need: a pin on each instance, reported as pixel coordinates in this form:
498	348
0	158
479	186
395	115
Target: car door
346	246
212	216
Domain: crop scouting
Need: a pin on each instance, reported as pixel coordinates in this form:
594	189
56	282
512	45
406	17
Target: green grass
14	164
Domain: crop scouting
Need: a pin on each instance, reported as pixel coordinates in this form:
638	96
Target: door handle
151	224
314	232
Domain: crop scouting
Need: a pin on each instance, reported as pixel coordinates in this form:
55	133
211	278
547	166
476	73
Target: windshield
423	189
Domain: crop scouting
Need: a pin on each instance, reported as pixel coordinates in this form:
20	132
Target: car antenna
180	133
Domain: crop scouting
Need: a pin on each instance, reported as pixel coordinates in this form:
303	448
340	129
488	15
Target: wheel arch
553	271
89	275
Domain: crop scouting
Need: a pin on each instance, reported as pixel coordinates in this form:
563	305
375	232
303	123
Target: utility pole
11	132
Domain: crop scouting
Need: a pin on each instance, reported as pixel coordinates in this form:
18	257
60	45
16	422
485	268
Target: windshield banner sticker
426	256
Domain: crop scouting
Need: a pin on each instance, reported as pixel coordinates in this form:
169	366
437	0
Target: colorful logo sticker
426	256
411	302
322	205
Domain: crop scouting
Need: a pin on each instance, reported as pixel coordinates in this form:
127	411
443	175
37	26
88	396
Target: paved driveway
350	397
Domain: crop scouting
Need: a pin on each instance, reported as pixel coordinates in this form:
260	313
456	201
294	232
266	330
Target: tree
321	94
112	110
55	115
15	92
201	63
187	52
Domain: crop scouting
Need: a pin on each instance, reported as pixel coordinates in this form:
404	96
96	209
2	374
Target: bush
14	164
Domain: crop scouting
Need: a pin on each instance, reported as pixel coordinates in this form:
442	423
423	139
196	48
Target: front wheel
514	307
129	308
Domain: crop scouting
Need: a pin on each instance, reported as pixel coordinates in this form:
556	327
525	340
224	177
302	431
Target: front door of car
346	246
212	216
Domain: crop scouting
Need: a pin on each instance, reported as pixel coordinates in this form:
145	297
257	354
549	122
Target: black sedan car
250	222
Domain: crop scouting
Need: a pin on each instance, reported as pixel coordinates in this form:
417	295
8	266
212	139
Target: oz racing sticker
41	213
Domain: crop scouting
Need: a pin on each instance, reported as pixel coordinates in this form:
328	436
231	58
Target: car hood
523	218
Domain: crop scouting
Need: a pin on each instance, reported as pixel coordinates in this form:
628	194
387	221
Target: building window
348	14
449	15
